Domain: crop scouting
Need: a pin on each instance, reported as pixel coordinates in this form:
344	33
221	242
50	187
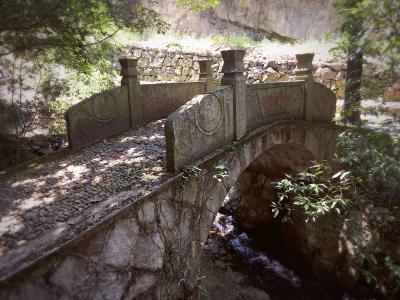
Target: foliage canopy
72	31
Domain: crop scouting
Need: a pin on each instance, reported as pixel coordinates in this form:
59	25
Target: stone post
206	73
304	67
304	71
233	69
130	79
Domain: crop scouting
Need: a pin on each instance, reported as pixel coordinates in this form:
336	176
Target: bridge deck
36	200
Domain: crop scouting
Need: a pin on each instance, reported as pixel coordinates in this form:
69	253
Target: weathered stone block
269	102
320	103
137	52
147	213
203	124
336	66
157	62
148	72
178	71
118	248
185	71
143	62
142	284
149	260
94	118
146	54
318	73
167	61
65	275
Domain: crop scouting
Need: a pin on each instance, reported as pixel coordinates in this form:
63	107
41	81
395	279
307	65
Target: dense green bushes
362	182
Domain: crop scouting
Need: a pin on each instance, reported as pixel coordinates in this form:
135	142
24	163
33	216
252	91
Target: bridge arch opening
246	209
253	191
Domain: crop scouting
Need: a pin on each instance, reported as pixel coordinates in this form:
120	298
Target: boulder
336	66
390	94
328	74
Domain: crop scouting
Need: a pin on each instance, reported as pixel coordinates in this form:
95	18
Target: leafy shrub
78	87
365	170
316	191
373	159
366	166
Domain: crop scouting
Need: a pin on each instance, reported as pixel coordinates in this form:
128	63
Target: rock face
296	19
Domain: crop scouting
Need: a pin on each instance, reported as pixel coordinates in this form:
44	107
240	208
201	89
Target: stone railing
132	104
228	113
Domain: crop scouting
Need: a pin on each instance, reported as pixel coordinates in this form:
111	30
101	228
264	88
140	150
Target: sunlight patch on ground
320	48
10	224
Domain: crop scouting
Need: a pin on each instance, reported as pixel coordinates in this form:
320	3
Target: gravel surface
35	200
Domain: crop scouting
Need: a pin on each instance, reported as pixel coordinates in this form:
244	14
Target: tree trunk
352	97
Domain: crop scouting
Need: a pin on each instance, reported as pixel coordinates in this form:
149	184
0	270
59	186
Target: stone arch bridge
147	245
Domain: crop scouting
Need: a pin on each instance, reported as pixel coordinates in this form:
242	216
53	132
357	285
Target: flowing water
263	262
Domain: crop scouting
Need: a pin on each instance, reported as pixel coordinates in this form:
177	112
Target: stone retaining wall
174	65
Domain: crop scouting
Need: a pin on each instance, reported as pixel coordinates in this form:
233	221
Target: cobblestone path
35	200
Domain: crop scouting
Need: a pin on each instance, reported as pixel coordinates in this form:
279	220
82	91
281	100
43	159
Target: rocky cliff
280	19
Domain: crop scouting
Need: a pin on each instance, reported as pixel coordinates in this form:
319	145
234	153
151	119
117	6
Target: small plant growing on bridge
189	172
220	171
230	147
191	286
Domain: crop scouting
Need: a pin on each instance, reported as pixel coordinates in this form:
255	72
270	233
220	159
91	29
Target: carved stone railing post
130	79
304	67
206	73
304	71
319	102
233	69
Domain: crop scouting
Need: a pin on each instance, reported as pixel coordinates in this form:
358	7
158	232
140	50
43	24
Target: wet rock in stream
235	266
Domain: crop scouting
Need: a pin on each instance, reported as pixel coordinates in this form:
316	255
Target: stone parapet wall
156	65
132	104
228	113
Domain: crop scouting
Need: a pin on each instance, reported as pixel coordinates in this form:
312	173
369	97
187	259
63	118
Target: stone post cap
304	60
304	66
233	61
128	66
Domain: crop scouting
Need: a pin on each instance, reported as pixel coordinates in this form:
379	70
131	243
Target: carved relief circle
209	115
102	108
